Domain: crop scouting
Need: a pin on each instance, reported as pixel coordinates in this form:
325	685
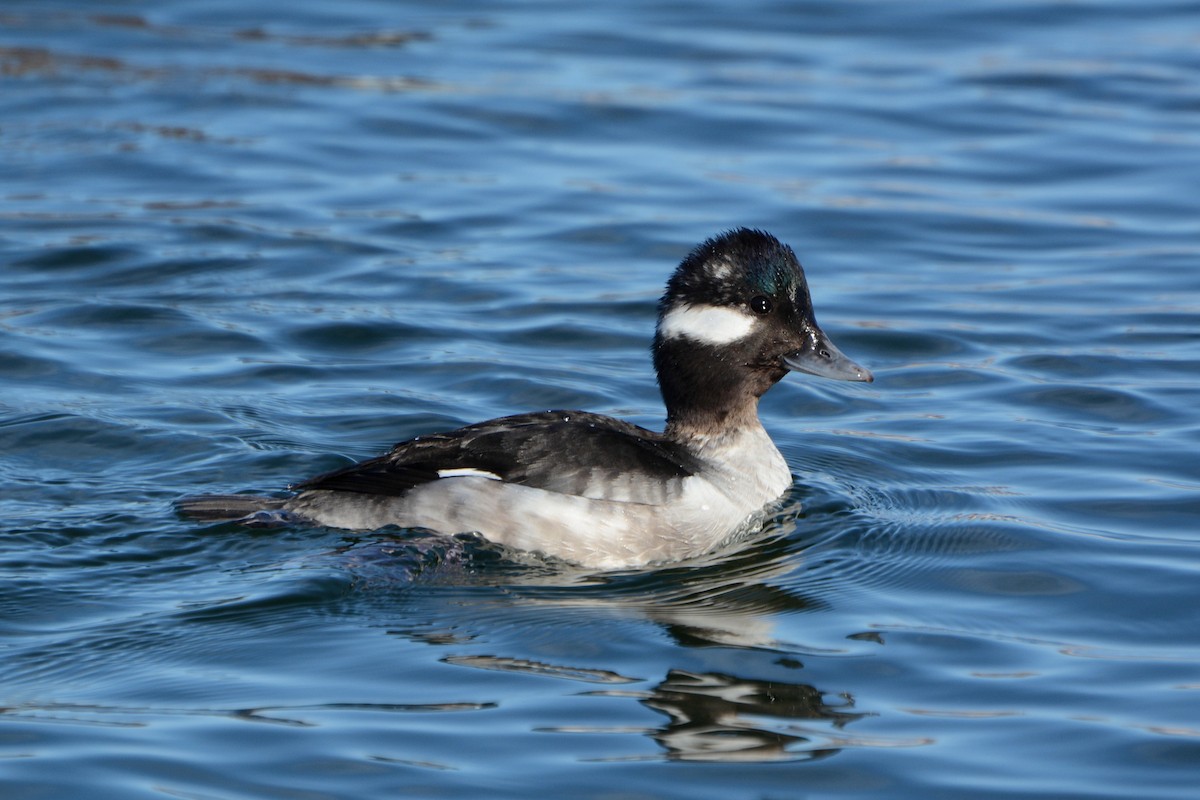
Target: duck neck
707	395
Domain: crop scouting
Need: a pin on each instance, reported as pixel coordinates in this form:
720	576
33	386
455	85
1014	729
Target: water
243	244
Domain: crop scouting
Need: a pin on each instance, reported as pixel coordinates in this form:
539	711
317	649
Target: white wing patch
467	472
705	323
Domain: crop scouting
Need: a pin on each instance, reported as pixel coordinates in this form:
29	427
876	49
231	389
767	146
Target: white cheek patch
467	472
707	324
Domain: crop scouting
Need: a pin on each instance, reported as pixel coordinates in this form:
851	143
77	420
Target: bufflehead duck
601	492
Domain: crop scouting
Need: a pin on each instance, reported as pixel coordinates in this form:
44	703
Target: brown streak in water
22	61
18	61
395	38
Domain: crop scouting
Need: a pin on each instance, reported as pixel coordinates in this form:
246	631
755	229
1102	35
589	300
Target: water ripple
245	245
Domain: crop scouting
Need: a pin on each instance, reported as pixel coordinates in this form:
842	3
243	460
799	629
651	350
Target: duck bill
819	356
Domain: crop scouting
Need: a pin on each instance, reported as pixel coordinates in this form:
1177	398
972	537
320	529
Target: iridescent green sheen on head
732	268
774	273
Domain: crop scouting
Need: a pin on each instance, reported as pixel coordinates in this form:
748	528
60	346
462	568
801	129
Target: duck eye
761	305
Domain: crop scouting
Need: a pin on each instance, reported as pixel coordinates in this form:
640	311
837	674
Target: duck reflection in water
717	717
728	602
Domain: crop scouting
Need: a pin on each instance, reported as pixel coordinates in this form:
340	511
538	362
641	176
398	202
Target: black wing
573	452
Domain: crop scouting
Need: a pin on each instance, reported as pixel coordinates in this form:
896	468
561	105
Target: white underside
747	472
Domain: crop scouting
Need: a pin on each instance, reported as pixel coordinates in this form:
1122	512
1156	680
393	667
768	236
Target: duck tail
226	506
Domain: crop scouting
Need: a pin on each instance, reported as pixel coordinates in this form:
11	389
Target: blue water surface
241	244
